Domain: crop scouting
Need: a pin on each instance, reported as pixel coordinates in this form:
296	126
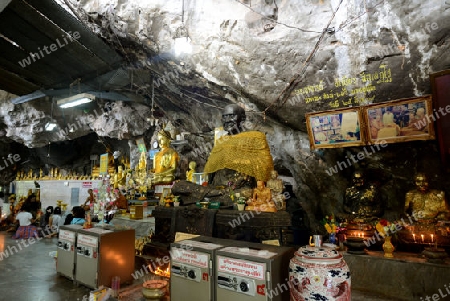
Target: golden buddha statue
191	171
142	165
262	199
165	161
120	178
424	204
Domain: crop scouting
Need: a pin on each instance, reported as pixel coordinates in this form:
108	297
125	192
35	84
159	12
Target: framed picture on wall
337	128
440	86
400	120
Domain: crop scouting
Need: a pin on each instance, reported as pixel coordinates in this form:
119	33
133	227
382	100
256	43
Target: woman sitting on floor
55	221
26	229
78	216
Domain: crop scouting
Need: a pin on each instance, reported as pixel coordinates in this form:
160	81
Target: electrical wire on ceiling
297	78
276	21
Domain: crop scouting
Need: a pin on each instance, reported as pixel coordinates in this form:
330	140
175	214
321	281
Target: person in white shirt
25	219
55	221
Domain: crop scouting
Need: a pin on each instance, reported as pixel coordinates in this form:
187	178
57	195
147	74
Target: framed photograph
337	128
440	86
165	193
141	145
400	120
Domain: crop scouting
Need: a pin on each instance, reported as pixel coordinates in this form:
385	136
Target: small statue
424	203
262	199
119	178
166	160
276	186
143	161
362	201
41	173
191	171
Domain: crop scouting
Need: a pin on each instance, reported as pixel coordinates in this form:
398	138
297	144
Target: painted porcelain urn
319	273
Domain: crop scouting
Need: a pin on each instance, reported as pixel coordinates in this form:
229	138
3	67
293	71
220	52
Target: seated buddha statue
276	186
262	199
363	201
191	171
165	162
120	178
426	205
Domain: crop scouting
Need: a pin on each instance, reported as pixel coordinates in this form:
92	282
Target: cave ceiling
280	59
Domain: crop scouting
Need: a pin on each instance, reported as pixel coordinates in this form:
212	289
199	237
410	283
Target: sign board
141	145
104	164
87	184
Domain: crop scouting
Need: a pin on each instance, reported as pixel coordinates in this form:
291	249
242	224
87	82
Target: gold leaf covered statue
191	171
427	205
262	199
166	160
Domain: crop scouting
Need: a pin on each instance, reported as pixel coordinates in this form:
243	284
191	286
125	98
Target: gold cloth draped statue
246	152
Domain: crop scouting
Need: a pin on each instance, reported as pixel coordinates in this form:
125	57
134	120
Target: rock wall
280	59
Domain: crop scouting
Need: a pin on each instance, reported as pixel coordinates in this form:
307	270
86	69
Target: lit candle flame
414	237
432	237
422	237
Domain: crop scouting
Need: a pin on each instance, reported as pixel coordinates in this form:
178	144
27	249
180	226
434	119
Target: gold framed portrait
400	120
336	128
165	193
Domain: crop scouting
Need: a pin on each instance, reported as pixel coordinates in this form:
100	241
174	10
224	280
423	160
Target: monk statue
363	201
166	160
276	186
262	199
426	205
236	162
191	171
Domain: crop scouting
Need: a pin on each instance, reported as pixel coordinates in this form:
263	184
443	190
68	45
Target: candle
432	237
414	237
422	237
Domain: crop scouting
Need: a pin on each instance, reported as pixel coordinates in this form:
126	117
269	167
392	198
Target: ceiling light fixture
51	123
75	100
182	40
49	126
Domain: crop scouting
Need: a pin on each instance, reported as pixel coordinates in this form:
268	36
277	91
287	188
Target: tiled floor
28	273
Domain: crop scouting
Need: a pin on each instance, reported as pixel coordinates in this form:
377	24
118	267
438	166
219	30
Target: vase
241	207
319	274
333	238
388	247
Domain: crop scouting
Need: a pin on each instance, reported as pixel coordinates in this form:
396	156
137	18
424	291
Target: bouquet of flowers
386	228
241	200
329	223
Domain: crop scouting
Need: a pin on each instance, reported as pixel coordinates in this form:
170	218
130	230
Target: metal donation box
254	272
191	276
193	267
66	259
103	254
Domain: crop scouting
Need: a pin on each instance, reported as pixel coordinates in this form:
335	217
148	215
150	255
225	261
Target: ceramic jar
319	273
